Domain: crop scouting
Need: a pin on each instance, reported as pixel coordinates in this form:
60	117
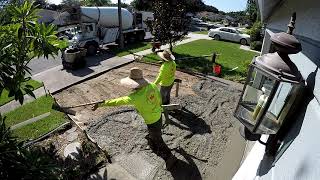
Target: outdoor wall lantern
271	89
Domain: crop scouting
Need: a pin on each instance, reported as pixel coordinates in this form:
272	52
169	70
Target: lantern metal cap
275	64
286	43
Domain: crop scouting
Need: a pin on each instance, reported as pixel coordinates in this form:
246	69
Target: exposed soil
107	86
198	133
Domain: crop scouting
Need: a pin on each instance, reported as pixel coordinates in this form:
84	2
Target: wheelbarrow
73	58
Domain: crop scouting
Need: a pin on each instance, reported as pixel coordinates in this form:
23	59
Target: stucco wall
301	150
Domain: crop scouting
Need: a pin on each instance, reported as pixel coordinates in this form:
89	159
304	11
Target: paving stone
72	136
72	150
73	129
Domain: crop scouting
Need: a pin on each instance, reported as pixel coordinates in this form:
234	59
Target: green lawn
136	47
201	32
29	110
4	95
231	56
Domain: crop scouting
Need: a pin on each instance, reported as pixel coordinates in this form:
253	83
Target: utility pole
120	25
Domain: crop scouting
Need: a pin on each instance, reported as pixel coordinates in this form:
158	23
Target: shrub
256	45
38	162
17	162
256	36
255	32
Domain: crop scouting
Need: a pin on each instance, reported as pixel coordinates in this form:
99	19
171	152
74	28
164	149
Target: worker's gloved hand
95	106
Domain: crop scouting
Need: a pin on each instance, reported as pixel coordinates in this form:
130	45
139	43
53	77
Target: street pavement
57	78
41	64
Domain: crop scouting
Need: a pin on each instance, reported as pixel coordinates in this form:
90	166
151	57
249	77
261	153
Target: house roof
266	8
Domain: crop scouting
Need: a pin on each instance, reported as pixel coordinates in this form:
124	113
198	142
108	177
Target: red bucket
217	70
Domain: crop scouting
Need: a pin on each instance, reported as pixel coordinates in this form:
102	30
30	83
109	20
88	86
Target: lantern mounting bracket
261	142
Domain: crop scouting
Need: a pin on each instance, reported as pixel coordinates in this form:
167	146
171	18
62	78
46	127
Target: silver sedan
230	34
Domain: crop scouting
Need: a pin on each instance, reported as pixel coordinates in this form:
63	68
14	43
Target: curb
48	134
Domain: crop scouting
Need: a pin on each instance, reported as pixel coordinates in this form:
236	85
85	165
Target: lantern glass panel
254	97
276	112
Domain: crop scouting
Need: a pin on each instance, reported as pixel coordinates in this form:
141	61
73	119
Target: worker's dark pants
156	142
165	93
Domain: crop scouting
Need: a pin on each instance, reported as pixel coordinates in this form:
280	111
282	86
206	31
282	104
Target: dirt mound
198	132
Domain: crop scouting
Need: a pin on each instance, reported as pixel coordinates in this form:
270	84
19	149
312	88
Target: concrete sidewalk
57	78
191	37
247	48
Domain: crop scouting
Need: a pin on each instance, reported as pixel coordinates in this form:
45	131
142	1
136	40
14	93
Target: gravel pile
198	133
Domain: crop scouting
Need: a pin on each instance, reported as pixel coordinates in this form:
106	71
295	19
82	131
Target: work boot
170	162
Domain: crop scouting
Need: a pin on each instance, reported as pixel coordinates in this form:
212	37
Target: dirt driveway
107	86
198	133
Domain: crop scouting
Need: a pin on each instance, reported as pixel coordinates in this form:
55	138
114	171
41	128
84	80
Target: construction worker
146	99
166	75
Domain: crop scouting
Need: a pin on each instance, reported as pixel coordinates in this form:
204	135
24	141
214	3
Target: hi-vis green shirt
166	73
146	100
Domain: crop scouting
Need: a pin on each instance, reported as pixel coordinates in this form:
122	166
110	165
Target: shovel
68	109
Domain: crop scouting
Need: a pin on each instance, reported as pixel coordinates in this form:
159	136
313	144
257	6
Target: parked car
230	34
212	26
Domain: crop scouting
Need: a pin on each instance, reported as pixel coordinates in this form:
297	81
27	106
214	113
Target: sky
222	5
227	5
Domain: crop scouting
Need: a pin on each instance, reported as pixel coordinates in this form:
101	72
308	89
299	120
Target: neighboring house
47	16
210	15
299	154
229	18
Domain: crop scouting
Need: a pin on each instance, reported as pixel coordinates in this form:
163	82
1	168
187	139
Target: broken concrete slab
115	171
72	150
72	136
73	129
137	166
